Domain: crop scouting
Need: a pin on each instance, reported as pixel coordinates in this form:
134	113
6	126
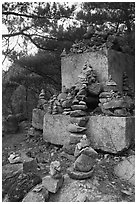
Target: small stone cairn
42	102
54	180
113	103
85	160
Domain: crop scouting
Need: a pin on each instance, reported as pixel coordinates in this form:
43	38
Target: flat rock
52	185
78	113
115	103
81	121
37	194
105	95
79	107
75	128
79	175
37	118
126	169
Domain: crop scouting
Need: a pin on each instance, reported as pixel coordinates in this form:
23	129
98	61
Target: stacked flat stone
127	89
42	102
54	106
85	160
54	180
112	103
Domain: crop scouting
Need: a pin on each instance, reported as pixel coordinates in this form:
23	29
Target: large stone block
55	128
37	118
111	134
126	169
105	63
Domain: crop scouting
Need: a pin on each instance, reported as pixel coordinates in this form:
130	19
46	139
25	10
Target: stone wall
107	62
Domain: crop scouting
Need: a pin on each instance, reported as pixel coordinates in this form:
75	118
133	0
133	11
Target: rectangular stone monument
111	134
105	63
37	118
55	128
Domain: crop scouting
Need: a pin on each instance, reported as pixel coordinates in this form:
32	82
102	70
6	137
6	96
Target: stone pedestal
37	118
111	134
105	63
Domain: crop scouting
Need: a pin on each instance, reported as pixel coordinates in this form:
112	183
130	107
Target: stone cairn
85	160
54	180
42	102
113	103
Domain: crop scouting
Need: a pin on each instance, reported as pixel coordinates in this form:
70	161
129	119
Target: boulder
21	184
10	173
75	128
37	194
125	169
84	163
52	185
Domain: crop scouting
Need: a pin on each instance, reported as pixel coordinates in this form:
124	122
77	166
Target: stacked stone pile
42	102
113	103
98	40
74	101
127	89
85	160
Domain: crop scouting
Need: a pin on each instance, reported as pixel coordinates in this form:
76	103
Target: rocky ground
104	185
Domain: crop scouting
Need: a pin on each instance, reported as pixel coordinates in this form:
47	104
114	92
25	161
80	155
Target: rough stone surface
77	113
74	138
75	128
69	148
37	194
9	174
110	62
81	121
21	184
126	169
30	166
37	118
54	128
111	134
84	163
79	175
52	185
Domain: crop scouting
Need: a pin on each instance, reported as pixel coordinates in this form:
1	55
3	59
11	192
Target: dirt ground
105	186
